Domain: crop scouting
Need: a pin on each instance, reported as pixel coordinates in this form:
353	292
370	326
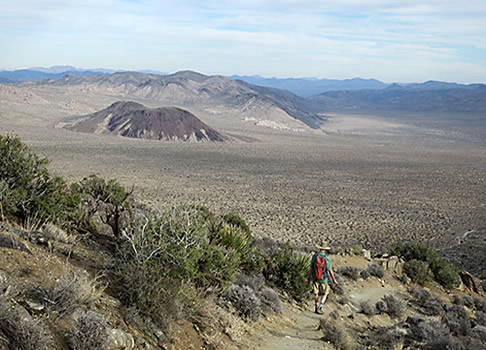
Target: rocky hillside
216	95
130	119
52	296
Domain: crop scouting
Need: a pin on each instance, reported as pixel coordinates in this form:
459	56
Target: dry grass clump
73	290
367	308
270	300
246	302
336	335
390	305
89	332
251	298
481	318
431	305
21	330
458	321
376	270
255	282
364	274
350	272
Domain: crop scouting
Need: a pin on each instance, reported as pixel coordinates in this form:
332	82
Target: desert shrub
336	335
236	220
270	300
468	301
479	303
364	274
288	270
356	250
367	308
27	192
21	332
336	288
73	290
418	271
89	332
421	330
376	270
444	273
458	321
447	342
456	300
174	258
94	197
390	305
246	302
481	318
255	282
350	272
385	338
431	305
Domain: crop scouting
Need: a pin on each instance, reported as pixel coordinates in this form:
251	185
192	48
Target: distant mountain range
307	87
270	102
39	73
436	97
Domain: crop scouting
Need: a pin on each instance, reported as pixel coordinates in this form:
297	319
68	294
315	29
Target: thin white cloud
270	37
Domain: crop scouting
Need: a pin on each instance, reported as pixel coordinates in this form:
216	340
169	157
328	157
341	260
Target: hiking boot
318	310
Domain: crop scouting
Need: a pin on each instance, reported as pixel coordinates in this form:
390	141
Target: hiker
319	271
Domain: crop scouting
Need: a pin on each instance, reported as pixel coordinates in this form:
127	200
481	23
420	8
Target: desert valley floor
358	180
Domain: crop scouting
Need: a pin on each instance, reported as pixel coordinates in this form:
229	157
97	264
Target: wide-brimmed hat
323	245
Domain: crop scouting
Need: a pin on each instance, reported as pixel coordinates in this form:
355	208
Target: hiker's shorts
320	288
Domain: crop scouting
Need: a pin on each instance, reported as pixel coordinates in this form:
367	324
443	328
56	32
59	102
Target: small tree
27	191
95	196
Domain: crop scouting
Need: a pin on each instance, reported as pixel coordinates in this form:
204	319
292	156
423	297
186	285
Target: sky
389	40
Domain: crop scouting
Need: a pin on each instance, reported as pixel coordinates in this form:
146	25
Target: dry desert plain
364	180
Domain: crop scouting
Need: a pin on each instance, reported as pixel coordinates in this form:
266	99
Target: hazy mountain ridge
426	97
130	119
37	75
307	87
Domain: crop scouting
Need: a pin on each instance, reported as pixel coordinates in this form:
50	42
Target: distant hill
215	94
307	87
436	97
130	119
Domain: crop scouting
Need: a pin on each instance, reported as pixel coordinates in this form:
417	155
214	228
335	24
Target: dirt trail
298	327
294	329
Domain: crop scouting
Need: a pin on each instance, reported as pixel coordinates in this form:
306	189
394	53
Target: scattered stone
7	241
469	281
366	254
33	306
119	340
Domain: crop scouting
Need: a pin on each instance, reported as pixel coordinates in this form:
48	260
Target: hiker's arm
331	272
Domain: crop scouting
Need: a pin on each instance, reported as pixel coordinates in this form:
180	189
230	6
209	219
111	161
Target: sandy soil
361	179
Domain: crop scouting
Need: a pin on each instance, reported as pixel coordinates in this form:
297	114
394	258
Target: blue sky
388	40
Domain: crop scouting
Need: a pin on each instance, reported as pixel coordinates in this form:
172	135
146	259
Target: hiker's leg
324	295
315	291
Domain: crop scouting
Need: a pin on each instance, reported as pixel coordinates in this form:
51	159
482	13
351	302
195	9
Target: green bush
444	273
418	271
171	258
356	250
288	270
28	194
94	197
236	220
